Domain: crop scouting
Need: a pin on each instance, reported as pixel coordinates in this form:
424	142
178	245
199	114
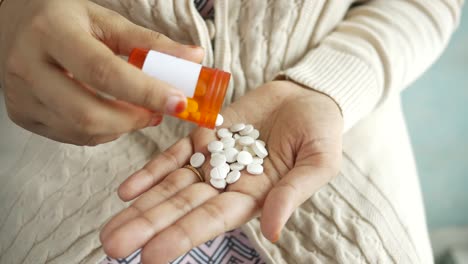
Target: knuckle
90	141
181	203
185	236
86	122
101	72
216	214
11	98
171	158
14	117
167	188
16	68
148	94
155	36
13	64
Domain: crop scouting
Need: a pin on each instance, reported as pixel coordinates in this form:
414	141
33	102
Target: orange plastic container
204	87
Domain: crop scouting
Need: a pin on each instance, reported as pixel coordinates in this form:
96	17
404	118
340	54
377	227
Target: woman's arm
380	48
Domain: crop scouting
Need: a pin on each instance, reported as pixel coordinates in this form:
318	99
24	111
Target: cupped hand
54	57
175	212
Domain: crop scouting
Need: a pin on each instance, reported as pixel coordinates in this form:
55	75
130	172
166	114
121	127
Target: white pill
237	166
219	120
261	142
249	150
255	169
233	176
225	167
218	173
215	146
247	130
218	183
246	141
237	127
217	160
197	160
260	150
244	158
257	160
224	132
236	136
231	154
228	142
254	134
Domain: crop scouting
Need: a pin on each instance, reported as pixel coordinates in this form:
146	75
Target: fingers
122	36
171	159
92	62
221	213
88	113
288	194
136	232
173	183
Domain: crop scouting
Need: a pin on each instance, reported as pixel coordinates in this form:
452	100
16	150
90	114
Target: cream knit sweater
55	197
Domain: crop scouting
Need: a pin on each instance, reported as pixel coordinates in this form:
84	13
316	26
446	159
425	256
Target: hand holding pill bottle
204	87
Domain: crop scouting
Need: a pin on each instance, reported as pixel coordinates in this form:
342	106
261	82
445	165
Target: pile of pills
238	148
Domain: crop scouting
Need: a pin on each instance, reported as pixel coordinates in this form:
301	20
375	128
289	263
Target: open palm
175	212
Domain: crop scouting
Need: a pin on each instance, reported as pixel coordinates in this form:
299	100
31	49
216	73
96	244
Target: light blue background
436	108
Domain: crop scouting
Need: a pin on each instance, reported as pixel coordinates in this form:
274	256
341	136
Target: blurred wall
436	108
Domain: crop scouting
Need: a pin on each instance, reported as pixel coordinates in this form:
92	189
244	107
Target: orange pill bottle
204	87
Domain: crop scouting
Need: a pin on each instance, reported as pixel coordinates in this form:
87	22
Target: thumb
122	36
289	193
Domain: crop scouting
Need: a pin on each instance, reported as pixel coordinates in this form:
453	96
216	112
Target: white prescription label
181	74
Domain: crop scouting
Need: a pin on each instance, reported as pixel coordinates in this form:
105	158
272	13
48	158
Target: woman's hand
55	55
302	129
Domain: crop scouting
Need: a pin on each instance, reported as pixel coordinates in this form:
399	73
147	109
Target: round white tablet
215	146
231	154
254	134
197	160
237	127
249	150
237	166
255	169
257	160
233	176
236	136
246	141
228	142
261	142
259	149
219	120
223	132
225	168
218	173
218	183
247	130
217	160
244	158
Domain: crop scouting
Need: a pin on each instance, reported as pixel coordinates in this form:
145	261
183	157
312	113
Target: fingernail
275	238
194	47
175	104
156	120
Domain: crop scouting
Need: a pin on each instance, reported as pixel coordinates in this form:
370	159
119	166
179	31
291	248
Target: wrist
294	90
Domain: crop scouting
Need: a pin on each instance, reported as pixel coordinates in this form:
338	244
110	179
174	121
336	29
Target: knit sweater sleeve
376	51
